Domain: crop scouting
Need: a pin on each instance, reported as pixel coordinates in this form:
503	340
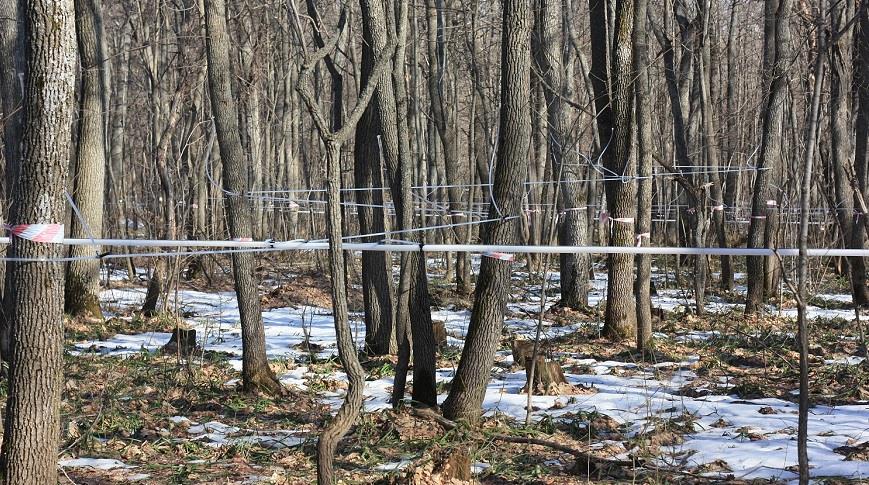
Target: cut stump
548	376
183	342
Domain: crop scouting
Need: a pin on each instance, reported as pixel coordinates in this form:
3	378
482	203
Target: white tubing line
469	248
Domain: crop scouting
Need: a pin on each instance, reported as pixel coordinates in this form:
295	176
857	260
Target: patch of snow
638	400
95	463
393	466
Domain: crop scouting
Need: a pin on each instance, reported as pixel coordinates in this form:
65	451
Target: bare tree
413	314
803	263
12	72
549	41
487	317
642	95
842	137
377	287
612	78
256	373
441	114
776	61
32	420
83	276
334	139
861	152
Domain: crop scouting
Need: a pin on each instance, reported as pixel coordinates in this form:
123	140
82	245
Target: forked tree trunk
612	77
333	139
377	287
82	295
32	420
469	384
256	373
413	315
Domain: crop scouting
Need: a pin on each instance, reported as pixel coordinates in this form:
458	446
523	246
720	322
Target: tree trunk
442	115
82	295
776	61
731	131
32	420
469	385
333	139
614	102
861	152
414	308
12	70
377	285
118	211
548	48
256	373
642	90
710	138
157	285
841	136
803	263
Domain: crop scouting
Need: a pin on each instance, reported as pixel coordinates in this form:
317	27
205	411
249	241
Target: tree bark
442	114
642	89
373	132
12	74
414	307
82	295
32	420
612	78
731	187
469	384
333	139
841	136
710	138
256	373
861	152
548	49
776	61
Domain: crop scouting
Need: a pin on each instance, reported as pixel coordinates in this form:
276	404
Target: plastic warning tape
42	233
499	255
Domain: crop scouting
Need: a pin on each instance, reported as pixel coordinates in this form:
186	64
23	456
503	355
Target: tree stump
183	342
524	349
454	463
548	376
440	333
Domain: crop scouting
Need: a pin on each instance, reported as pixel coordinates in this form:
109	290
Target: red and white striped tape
43	233
499	255
605	217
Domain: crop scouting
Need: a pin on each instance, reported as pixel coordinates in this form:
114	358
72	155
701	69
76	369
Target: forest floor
716	402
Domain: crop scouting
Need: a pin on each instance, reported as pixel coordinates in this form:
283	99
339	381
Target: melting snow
95	463
721	423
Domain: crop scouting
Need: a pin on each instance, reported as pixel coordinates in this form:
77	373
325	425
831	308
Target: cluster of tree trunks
188	116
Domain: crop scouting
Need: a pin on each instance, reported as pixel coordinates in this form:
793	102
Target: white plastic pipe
467	248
